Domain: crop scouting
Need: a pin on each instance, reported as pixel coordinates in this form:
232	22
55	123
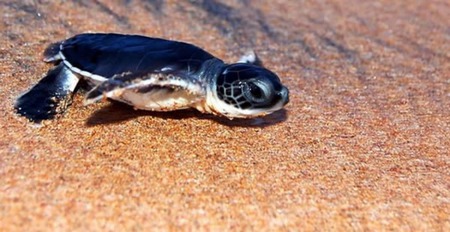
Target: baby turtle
151	74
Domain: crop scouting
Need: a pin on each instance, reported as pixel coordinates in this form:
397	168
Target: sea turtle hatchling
151	74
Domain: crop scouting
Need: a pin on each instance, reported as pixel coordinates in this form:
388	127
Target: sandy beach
363	144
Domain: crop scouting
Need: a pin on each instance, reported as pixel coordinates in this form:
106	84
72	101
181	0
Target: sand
362	145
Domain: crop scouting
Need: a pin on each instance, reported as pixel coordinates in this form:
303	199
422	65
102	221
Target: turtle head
246	90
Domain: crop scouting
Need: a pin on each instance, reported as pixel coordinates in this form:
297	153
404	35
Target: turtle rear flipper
49	97
51	53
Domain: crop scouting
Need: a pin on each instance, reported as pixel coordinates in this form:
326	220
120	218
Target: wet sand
362	145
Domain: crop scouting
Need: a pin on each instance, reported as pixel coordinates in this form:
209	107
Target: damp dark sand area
362	145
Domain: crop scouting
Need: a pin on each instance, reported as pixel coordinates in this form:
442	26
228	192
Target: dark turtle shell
107	55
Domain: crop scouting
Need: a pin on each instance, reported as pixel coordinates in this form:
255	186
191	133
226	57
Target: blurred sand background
362	145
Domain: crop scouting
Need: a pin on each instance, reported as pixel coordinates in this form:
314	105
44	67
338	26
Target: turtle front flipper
52	53
250	57
152	91
49	97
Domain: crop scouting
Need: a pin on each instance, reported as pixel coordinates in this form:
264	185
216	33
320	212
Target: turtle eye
257	91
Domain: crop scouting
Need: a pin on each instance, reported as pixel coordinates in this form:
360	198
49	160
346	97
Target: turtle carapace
151	74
